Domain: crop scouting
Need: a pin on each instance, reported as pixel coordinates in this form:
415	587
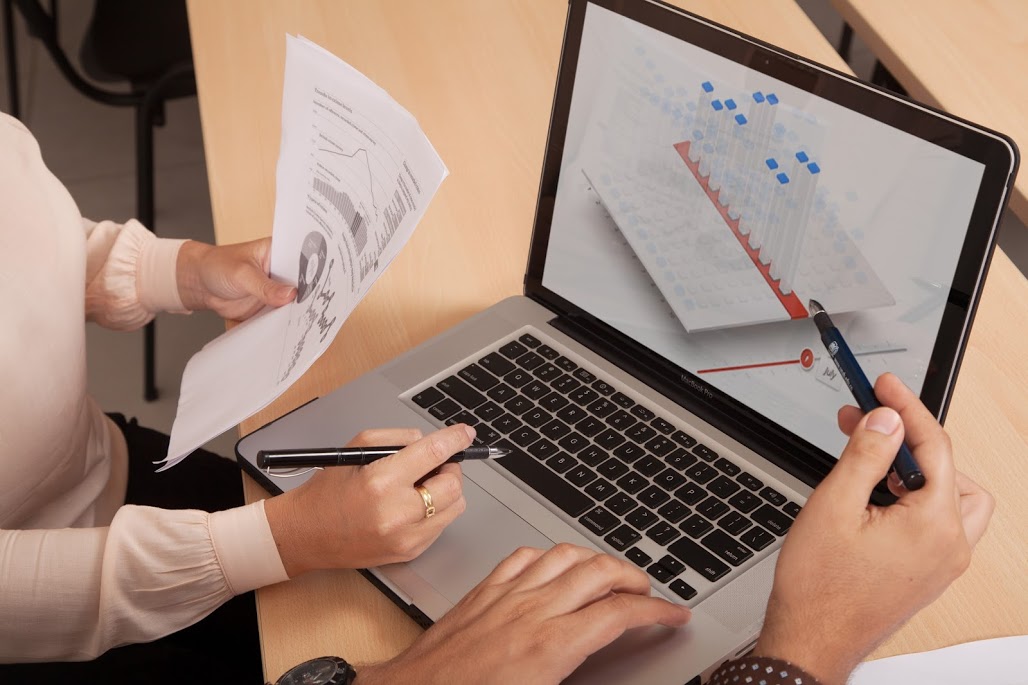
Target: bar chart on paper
731	221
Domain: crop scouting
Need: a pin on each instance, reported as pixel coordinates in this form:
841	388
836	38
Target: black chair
143	43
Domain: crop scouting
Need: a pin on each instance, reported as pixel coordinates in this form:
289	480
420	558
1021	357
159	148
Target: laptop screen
701	203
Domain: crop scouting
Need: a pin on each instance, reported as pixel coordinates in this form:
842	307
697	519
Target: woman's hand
364	516
534	619
850	574
232	280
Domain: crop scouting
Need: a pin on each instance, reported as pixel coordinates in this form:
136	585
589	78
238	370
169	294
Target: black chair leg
11	57
145	212
846	42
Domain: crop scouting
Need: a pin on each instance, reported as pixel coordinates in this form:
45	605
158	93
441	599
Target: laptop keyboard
618	468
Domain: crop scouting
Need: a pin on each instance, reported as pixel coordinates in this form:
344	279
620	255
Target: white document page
1002	661
355	175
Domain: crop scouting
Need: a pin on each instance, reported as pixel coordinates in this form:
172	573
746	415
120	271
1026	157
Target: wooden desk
967	58
479	77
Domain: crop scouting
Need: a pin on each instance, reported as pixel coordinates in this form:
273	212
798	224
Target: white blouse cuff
246	548
156	280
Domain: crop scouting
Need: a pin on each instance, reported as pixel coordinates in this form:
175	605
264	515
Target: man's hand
364	516
534	619
232	280
850	574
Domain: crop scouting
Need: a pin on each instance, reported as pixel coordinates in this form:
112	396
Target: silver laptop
665	396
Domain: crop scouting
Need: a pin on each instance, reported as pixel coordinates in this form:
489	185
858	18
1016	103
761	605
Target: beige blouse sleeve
72	594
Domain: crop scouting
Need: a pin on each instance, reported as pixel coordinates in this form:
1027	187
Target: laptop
664	393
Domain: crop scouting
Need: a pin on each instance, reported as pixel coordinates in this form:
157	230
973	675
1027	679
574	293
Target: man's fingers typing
593	579
602	622
555	562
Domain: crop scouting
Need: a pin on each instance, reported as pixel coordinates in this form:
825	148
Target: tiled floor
90	148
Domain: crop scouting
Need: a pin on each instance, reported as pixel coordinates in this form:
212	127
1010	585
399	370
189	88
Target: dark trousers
224	647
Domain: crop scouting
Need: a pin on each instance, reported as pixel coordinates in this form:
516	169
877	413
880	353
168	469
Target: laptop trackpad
471	547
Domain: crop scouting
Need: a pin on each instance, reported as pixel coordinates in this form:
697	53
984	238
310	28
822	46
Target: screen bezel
996	152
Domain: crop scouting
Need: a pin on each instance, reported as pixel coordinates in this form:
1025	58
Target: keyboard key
599	521
507	423
609	439
565	384
663	534
547	351
529	340
590	426
622	538
726	547
682	589
488	411
427	397
566	364
463	416
573	442
555	429
621	420
542	449
638	557
553	401
662	426
602	408
561	462
621	504
547	372
547	483
623	400
613	468
712	508
502	392
592	455
699	559
535	390
571	414
723	487
518	405
792	509
584	376
583	395
478	377
772	519
603	387
641	433
580	476
680	459
444	410
536	417
524	436
726	467
669	479
649	465
495	364
660	573
691	493
749	481
486	435
704	452
600	489
700	472
632	482
734	523
629	452
757	538
683	439
773	496
461	392
745	501
513	350
529	361
653	497
518	377
695	526
642	412
641	519
672	564
674	511
660	446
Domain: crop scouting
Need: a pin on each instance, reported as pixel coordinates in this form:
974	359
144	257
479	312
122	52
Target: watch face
323	671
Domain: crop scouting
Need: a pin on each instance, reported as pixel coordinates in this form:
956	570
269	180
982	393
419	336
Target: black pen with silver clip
356	456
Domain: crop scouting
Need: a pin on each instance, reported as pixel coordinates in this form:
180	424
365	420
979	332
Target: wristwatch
325	670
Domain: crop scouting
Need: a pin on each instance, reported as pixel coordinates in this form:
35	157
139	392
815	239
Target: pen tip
497	452
815	307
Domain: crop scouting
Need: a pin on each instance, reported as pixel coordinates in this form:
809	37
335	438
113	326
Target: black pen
904	464
355	456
